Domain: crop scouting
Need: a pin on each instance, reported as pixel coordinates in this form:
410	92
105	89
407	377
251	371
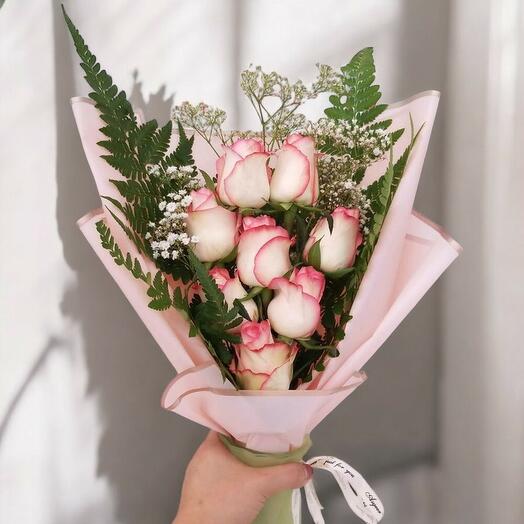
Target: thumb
286	476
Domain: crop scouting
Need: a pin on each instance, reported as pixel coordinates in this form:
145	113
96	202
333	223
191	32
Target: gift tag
359	495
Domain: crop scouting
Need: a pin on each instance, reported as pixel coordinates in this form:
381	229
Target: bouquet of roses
269	265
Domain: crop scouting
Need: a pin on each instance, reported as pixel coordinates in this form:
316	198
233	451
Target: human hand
219	489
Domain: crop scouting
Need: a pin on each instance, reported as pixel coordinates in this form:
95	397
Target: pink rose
243	175
220	276
262	363
232	289
293	313
312	281
255	335
263	251
261	220
339	248
215	227
295	178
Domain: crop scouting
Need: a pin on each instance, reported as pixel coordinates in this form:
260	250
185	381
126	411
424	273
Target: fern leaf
130	147
183	154
133	265
357	98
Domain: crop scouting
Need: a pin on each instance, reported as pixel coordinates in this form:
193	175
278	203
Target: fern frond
183	154
131	147
158	289
357	97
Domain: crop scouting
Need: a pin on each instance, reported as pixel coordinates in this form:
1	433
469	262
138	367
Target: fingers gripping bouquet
269	265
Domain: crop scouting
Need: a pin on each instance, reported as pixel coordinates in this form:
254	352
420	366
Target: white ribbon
358	494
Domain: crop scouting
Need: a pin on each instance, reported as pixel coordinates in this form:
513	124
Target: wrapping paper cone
267	421
410	255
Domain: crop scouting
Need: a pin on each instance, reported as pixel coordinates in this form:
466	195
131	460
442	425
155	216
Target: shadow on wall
143	450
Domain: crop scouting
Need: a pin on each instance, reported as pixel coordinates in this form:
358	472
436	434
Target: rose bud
215	226
243	174
293	313
338	249
312	281
262	363
295	178
263	251
232	289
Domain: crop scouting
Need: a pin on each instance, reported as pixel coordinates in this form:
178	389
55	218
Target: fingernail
309	471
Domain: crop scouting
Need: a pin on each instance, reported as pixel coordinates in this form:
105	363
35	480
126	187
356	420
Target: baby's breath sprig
276	99
176	177
365	144
168	238
348	150
337	189
205	120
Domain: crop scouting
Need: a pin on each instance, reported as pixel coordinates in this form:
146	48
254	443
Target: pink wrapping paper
410	255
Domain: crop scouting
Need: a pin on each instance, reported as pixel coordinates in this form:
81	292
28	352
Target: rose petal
248	183
225	165
272	260
281	377
291	175
256	335
248	246
220	276
202	199
216	230
265	359
247	146
249	380
292	313
306	145
312	281
261	220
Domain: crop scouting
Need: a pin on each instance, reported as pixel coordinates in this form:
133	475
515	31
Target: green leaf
254	291
209	286
357	97
339	273
289	219
330	222
314	255
159	293
213	317
210	184
242	311
312	345
179	301
158	289
131	149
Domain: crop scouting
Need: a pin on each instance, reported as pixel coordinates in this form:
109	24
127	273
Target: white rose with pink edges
261	362
293	313
243	175
263	251
214	226
338	248
295	177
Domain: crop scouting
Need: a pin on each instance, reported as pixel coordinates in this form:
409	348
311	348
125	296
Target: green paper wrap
277	509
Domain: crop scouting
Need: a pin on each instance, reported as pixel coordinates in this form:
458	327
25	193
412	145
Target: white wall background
82	436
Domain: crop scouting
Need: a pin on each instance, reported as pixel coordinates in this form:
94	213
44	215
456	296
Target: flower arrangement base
277	508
